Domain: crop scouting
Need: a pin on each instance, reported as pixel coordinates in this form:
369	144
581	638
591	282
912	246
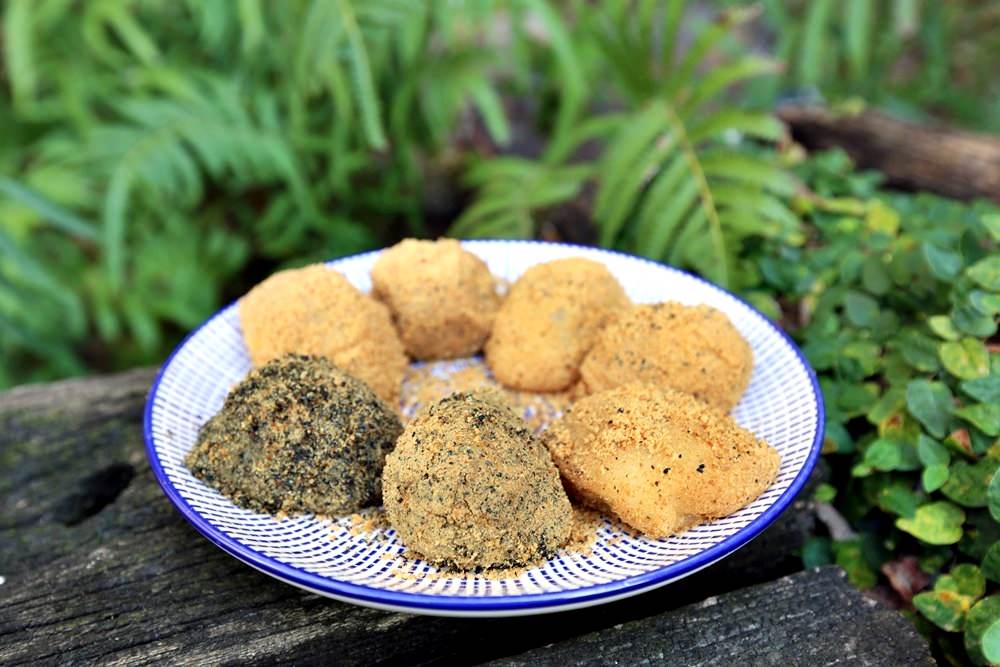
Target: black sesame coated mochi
298	435
469	486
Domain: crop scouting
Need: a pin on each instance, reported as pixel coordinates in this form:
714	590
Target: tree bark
946	161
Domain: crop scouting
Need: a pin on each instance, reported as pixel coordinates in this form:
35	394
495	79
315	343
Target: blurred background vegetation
159	157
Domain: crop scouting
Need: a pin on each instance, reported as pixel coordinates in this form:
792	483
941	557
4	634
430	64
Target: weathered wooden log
98	567
944	160
810	618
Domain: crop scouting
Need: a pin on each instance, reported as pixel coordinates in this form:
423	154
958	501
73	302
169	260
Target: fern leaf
571	79
510	190
620	158
599	127
115	206
815	46
749	169
857	36
627	190
371	113
671	26
18	48
677	211
706	40
656	222
251	25
60	218
491	109
758	125
721	78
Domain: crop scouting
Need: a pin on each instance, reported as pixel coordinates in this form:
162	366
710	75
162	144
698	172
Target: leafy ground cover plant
894	298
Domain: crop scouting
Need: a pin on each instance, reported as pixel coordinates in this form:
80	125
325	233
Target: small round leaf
966	359
986	272
942	608
934	476
991	562
944	264
931	403
967	483
993	496
979	624
943	327
935	523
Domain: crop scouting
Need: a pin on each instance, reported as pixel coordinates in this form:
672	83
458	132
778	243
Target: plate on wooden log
366	565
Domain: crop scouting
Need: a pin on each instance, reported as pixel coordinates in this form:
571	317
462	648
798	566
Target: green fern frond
510	193
166	147
679	177
59	217
108	23
18	48
679	165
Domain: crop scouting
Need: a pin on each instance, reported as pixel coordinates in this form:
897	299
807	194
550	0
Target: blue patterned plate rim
538	602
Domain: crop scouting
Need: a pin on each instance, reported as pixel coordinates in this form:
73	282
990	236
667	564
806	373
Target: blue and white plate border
495	606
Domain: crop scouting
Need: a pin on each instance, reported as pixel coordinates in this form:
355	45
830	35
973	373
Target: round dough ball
443	299
549	321
659	459
469	486
315	310
694	349
298	435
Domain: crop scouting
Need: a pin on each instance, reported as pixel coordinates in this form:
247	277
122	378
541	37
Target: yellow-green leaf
981	633
943	327
966	359
986	272
935	523
984	416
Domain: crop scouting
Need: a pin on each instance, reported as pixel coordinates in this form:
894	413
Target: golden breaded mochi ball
549	320
659	459
315	310
694	349
443	298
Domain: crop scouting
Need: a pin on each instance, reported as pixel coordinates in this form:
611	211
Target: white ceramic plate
783	405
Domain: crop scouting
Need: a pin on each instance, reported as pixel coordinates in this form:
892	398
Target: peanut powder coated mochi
469	486
694	349
549	321
315	310
297	435
442	298
659	459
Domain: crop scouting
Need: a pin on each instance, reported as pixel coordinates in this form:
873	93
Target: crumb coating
659	459
694	349
315	310
442	298
549	321
297	435
468	486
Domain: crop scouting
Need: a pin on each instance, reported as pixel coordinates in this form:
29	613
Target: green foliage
913	56
935	523
682	177
166	155
161	156
953	596
849	554
882	302
982	631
